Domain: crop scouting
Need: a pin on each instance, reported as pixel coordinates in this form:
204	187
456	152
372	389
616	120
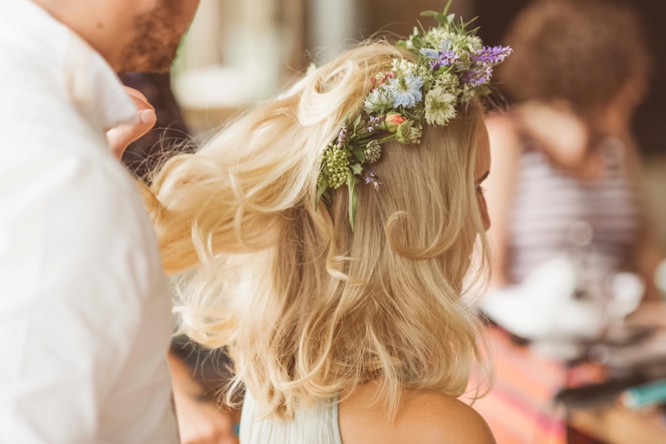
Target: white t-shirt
84	310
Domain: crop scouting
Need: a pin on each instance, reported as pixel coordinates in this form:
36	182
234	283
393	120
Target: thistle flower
409	132
373	151
335	166
406	90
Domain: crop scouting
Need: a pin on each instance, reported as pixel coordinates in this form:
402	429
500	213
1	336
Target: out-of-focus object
235	54
645	395
550	306
660	278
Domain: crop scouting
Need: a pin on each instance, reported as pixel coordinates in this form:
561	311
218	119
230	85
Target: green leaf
357	122
357	169
353	198
359	153
441	18
446	8
450	18
429	13
417	43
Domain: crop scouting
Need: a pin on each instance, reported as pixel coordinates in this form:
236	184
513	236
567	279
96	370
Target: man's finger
140	101
120	137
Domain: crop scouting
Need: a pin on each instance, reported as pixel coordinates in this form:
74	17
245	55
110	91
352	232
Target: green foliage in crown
451	67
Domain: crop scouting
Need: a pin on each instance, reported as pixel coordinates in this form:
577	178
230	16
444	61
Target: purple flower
374	123
478	75
491	54
342	136
483	61
445	58
370	178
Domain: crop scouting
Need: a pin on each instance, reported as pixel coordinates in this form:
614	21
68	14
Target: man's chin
148	66
149	60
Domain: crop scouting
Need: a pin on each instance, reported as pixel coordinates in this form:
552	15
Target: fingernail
147	116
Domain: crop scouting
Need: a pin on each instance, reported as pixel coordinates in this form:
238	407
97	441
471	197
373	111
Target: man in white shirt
84	312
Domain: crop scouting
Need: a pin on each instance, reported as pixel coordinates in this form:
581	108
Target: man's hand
121	136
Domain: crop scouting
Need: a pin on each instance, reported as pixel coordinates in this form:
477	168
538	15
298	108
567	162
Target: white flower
448	81
378	100
467	93
436	37
404	67
473	42
440	106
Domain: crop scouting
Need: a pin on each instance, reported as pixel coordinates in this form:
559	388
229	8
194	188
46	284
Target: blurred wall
400	17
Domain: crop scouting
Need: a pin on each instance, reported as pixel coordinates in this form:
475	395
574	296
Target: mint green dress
315	425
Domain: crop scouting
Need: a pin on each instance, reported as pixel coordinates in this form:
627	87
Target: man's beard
156	41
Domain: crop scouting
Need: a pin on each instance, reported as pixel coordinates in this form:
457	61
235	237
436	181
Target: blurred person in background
85	315
564	195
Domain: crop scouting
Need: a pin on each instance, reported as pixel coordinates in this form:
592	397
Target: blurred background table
618	425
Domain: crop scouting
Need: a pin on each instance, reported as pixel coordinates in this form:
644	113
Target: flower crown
452	67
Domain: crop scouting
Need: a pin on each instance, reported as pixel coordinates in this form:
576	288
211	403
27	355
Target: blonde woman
325	236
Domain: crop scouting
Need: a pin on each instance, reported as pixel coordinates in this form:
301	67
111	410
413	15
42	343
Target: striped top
552	211
317	424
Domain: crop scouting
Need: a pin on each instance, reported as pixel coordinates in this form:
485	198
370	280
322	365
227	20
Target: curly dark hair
581	51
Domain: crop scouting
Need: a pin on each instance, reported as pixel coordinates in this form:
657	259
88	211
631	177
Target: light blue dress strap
317	424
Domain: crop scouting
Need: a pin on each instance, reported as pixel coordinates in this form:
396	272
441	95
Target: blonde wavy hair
308	308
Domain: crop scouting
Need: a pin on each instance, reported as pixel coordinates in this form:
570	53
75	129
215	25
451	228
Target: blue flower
430	53
406	90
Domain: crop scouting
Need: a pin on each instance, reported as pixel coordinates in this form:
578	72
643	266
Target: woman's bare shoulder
423	416
437	418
